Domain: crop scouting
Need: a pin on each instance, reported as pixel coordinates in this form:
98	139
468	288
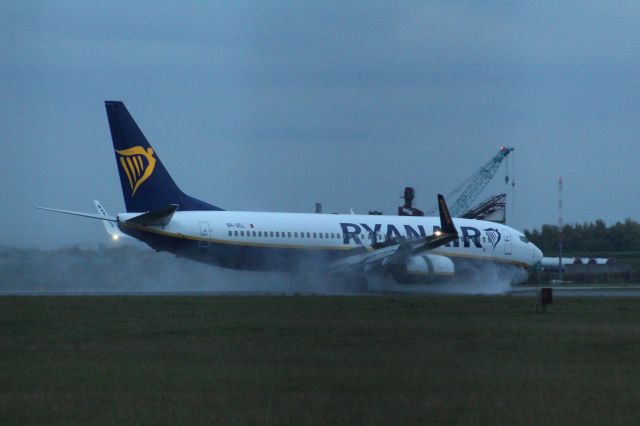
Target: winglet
446	223
445	234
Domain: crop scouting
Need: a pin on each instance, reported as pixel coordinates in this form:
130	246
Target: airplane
408	250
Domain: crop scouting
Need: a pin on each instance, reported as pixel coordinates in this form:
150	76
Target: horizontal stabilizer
89	215
160	217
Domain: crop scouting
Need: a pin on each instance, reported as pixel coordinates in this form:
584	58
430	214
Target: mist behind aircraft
132	268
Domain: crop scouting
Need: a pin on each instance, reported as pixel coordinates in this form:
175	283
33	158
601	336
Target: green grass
318	360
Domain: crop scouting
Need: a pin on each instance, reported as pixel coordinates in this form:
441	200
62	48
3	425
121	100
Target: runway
630	290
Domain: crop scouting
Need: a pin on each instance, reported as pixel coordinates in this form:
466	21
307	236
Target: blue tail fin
146	184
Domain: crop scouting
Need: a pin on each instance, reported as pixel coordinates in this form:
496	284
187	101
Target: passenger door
508	245
205	233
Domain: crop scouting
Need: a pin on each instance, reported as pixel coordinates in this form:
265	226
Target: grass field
318	360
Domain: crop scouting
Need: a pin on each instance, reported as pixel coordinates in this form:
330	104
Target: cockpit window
524	239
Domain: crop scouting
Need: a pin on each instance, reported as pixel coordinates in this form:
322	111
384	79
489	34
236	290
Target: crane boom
469	190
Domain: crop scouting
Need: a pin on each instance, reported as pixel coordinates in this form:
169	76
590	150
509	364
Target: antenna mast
560	226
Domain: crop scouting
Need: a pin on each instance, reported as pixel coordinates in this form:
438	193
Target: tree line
588	237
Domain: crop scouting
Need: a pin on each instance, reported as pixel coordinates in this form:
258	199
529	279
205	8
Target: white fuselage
479	240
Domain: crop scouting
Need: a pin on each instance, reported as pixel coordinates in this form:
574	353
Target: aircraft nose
537	255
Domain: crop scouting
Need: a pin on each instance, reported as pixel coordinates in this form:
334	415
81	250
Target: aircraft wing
83	214
108	220
393	253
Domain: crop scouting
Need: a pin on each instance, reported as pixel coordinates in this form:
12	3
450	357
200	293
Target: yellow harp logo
137	164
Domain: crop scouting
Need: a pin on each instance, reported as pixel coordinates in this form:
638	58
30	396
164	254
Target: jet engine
421	269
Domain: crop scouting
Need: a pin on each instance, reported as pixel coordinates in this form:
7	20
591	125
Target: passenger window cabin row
278	234
322	235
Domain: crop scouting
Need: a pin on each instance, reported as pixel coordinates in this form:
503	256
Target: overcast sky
272	106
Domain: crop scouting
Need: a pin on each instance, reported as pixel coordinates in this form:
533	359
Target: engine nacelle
427	268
